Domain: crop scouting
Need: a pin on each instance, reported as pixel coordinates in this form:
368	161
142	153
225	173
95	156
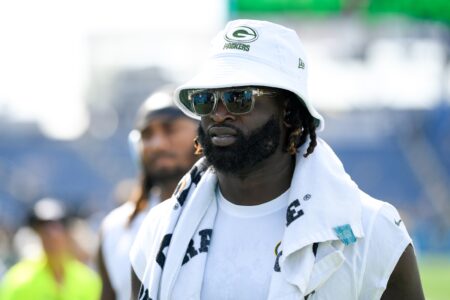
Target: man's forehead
164	120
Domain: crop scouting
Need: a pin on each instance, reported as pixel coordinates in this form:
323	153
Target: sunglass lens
238	102
202	102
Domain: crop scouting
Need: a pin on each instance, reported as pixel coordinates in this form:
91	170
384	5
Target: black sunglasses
238	101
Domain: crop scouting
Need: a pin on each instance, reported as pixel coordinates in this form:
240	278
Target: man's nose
221	114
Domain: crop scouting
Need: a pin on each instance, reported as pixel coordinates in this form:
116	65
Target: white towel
324	208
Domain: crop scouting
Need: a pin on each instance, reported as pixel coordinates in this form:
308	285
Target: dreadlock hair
139	197
300	124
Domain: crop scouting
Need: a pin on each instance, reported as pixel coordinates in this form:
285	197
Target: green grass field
435	275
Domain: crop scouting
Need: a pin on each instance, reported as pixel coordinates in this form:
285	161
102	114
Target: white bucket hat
253	53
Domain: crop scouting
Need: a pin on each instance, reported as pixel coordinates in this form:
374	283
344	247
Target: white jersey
117	237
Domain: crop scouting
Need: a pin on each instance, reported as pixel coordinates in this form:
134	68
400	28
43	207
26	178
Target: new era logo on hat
254	53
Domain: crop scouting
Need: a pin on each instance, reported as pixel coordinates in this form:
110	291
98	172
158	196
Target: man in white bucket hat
269	212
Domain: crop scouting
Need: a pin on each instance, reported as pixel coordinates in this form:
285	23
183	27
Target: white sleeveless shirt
117	237
368	263
242	250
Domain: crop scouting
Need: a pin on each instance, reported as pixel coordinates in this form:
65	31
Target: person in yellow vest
56	274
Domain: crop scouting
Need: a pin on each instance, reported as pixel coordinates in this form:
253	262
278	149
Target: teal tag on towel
345	234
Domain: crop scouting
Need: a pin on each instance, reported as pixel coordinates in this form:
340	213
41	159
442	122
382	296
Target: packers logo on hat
241	34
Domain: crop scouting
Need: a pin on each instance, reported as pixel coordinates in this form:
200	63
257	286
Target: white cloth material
253	53
354	232
117	236
242	250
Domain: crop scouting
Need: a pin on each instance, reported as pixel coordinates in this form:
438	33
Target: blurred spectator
4	250
162	144
56	273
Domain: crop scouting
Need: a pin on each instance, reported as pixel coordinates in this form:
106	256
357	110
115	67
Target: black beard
246	152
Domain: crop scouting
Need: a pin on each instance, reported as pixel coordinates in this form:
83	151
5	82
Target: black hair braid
312	135
300	125
140	195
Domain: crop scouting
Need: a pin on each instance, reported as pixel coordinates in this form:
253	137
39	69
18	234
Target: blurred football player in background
162	143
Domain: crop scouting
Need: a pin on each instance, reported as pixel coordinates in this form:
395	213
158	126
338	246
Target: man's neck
167	188
56	264
263	182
